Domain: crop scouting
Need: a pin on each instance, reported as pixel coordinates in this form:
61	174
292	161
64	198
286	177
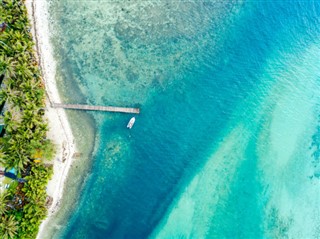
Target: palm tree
23	70
7	66
8	227
2	157
3	203
24	123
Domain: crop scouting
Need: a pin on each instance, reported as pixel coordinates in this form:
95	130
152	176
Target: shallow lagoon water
226	142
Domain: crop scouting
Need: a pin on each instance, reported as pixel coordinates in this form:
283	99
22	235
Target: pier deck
97	108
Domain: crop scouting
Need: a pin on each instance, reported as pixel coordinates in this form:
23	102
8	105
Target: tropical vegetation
24	145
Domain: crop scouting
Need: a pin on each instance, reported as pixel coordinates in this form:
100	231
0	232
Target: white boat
131	122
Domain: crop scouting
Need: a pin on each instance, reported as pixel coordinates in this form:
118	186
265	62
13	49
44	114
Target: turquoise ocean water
227	142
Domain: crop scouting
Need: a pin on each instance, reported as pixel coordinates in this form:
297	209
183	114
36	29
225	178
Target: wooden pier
97	108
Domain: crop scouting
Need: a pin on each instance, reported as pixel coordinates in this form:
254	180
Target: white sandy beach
59	128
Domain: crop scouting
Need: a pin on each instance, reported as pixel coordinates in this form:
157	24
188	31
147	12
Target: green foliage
8	227
23	206
3	202
35	191
45	151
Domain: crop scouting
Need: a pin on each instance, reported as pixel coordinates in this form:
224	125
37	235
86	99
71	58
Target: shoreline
59	128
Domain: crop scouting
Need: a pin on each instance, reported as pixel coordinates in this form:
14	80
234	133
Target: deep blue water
228	98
